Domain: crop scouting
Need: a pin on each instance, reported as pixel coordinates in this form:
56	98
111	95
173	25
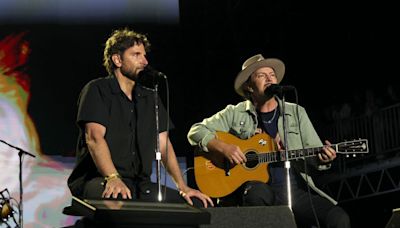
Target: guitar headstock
359	146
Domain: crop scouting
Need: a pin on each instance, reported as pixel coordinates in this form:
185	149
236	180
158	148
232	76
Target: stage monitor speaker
126	213
394	221
250	217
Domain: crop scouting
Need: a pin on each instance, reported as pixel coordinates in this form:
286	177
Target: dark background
334	52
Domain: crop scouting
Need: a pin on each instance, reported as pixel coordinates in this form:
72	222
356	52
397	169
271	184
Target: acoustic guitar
216	177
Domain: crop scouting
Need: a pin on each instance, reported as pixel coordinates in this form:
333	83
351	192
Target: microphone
149	70
150	76
275	89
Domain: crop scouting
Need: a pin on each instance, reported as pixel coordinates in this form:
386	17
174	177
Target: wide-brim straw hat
252	64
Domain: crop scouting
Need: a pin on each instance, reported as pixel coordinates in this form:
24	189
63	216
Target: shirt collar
139	90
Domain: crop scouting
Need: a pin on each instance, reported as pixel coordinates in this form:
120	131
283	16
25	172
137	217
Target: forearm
216	145
200	135
113	185
101	156
172	166
170	161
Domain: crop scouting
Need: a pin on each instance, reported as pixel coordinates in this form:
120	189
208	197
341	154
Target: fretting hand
328	153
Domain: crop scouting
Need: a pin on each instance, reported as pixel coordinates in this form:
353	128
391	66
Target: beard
129	73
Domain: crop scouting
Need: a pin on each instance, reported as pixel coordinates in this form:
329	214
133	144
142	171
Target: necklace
272	118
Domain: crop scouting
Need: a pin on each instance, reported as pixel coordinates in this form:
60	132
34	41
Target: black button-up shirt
130	130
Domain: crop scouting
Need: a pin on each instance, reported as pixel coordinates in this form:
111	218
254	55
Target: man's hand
188	192
328	153
234	154
114	187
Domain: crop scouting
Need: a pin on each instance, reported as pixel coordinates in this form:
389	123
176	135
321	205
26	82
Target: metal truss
370	180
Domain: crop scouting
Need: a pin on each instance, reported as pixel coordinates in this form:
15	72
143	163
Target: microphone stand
21	152
287	162
158	151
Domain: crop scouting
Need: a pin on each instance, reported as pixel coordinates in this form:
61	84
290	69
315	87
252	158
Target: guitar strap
308	179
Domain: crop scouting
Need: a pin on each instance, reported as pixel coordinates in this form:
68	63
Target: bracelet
112	176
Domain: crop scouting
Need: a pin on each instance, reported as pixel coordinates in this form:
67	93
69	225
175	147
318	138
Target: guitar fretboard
277	156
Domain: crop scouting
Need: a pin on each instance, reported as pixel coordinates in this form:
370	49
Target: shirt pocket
242	128
293	126
294	138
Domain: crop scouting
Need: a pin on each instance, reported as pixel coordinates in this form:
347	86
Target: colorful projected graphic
44	178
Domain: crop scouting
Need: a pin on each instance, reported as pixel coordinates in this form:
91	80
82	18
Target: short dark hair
118	42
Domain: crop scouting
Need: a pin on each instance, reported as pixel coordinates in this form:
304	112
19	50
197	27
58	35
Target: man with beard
117	126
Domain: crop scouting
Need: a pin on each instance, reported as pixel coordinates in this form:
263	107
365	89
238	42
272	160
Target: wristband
112	176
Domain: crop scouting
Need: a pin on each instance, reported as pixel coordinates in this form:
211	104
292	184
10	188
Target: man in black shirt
117	140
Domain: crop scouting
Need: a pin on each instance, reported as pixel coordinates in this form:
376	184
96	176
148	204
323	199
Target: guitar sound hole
252	159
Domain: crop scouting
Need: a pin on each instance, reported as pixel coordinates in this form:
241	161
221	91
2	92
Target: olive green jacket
241	121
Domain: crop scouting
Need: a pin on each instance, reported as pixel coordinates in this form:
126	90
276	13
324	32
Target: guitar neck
277	156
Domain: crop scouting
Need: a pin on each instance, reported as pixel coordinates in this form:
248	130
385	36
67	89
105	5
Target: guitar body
217	178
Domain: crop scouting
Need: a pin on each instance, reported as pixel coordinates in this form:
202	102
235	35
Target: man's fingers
126	194
210	201
189	200
114	190
129	194
107	191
